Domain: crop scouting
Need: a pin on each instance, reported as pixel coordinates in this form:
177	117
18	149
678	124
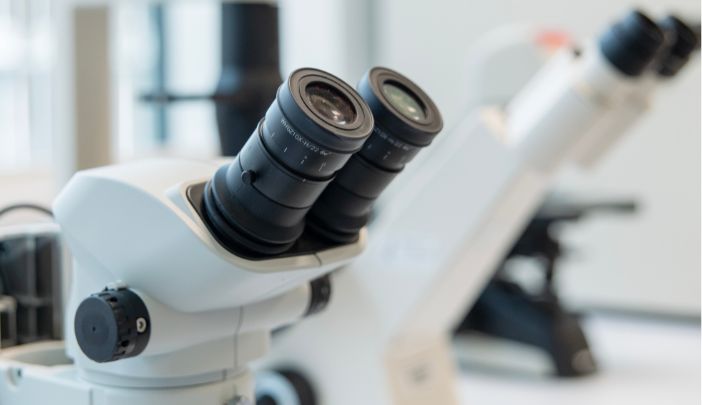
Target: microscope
538	318
182	268
387	329
681	41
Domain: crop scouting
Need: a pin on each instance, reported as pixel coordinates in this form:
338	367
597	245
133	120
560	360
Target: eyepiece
316	122
258	202
400	107
406	120
681	42
632	43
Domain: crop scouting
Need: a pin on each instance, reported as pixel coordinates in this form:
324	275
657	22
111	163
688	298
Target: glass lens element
404	102
333	106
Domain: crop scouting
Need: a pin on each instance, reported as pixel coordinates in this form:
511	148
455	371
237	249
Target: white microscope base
41	374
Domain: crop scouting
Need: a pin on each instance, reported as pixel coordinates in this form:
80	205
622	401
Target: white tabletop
641	361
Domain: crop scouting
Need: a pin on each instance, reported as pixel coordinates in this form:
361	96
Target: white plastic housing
133	223
570	95
211	310
616	122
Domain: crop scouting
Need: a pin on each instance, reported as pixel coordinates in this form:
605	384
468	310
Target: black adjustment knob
112	325
320	295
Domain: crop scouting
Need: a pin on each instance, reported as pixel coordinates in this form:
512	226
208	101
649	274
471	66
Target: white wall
650	261
332	35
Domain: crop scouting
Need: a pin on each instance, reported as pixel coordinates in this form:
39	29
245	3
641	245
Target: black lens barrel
322	155
258	168
681	42
345	205
632	43
364	178
299	152
260	200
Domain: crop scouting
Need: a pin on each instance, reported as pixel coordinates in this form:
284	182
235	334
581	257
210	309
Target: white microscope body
682	41
182	268
210	311
385	337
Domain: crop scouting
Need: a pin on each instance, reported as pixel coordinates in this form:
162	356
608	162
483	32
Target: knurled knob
112	325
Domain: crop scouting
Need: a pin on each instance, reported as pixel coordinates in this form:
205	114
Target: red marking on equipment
553	39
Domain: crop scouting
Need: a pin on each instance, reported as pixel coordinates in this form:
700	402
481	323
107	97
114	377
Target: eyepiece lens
258	203
404	101
406	121
330	104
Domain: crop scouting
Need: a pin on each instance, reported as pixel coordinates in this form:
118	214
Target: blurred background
84	83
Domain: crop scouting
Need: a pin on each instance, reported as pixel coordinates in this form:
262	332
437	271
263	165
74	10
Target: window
25	83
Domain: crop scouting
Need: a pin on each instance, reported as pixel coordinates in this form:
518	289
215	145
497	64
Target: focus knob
112	325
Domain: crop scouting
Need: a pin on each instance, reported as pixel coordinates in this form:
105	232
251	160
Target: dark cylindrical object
632	43
259	201
681	42
406	120
250	72
112	325
320	295
284	387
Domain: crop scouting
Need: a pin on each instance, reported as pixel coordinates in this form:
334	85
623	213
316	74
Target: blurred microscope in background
529	310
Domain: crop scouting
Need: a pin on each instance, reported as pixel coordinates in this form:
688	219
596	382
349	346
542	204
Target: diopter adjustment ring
111	325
